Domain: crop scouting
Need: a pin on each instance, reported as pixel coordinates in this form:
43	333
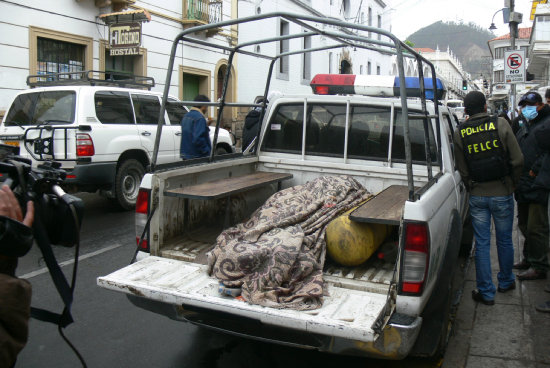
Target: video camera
58	212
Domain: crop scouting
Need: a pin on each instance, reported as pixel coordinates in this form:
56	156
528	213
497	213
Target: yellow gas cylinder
351	243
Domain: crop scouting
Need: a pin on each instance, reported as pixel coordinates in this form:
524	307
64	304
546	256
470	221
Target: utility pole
513	32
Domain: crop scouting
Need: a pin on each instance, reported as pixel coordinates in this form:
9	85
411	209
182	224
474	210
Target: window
113	107
283	47
306	61
146	109
416	129
284	133
175	112
450	137
369	68
378	70
55	52
42	107
360	69
369	131
366	136
379	26
499	76
499	52
326	130
59	56
330	63
369	15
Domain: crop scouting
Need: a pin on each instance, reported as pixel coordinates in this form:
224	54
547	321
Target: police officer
490	161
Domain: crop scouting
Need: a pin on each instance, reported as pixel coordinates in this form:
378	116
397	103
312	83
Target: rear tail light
84	145
142	211
416	258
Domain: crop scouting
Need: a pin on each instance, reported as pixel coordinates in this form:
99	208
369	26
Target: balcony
200	12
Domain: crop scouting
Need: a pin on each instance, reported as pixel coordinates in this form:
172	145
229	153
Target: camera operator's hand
9	207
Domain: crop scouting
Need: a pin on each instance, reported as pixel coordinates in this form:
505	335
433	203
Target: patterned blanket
277	256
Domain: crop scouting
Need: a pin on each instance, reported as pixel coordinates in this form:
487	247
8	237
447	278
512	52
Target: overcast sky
408	16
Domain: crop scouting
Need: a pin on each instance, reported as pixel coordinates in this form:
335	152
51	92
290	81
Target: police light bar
373	85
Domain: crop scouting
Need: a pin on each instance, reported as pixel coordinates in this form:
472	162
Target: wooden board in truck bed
225	187
385	208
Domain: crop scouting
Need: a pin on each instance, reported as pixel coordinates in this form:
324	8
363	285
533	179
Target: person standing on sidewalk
490	161
195	134
541	172
532	191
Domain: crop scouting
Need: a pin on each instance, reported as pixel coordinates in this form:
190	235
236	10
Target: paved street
111	332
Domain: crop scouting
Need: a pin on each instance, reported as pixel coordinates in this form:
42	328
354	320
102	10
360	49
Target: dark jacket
195	135
15	309
535	189
501	187
251	127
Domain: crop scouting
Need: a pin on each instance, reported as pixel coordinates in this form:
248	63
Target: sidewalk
509	334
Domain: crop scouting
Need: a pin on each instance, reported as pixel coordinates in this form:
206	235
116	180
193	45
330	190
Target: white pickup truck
396	147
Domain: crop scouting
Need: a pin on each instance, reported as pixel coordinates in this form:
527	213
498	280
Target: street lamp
493	27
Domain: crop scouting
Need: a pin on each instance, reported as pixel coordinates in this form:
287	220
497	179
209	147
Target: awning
140	15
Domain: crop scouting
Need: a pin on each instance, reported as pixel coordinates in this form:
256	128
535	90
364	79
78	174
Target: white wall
253	71
80	18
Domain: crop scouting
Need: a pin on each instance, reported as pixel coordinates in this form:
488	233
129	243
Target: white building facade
68	35
447	68
293	73
539	46
500	91
47	36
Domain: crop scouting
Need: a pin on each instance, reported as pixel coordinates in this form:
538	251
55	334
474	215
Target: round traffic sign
514	61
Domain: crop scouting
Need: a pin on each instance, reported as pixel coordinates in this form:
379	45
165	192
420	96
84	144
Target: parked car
104	136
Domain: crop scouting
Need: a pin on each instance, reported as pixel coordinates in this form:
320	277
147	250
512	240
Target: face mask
529	112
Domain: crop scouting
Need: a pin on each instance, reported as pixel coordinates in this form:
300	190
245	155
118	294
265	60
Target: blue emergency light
373	85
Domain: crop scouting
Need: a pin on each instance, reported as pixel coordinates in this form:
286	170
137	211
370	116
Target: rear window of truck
51	107
368	132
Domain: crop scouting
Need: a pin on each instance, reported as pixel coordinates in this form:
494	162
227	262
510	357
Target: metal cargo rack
92	78
342	34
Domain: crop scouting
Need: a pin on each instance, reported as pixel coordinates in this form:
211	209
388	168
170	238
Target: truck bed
374	275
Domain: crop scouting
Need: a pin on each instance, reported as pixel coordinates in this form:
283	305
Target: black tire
220	150
127	181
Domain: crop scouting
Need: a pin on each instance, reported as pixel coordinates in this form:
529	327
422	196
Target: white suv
103	136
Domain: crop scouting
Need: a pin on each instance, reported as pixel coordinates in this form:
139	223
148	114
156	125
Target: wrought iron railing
208	11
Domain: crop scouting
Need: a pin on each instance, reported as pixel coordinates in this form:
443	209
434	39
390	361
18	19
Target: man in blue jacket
195	134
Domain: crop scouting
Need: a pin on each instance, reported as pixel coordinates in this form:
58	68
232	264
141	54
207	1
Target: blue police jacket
195	136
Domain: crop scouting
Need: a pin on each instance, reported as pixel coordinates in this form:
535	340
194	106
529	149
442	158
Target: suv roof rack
90	77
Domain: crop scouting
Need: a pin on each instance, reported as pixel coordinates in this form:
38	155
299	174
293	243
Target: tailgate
345	313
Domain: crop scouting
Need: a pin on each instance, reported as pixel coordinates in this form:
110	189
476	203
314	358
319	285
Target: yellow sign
534	7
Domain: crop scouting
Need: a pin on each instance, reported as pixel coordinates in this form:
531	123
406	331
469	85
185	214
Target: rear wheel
220	150
127	181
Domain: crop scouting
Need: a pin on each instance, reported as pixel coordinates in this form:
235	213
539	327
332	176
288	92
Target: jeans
501	209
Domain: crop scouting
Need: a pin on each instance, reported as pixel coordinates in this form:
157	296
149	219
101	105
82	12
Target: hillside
467	41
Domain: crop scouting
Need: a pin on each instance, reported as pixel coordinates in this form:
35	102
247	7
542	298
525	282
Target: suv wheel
220	150
127	181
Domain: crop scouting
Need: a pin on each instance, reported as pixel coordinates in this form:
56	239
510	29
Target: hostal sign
124	38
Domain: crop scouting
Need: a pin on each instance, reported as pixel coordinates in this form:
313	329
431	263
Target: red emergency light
372	85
